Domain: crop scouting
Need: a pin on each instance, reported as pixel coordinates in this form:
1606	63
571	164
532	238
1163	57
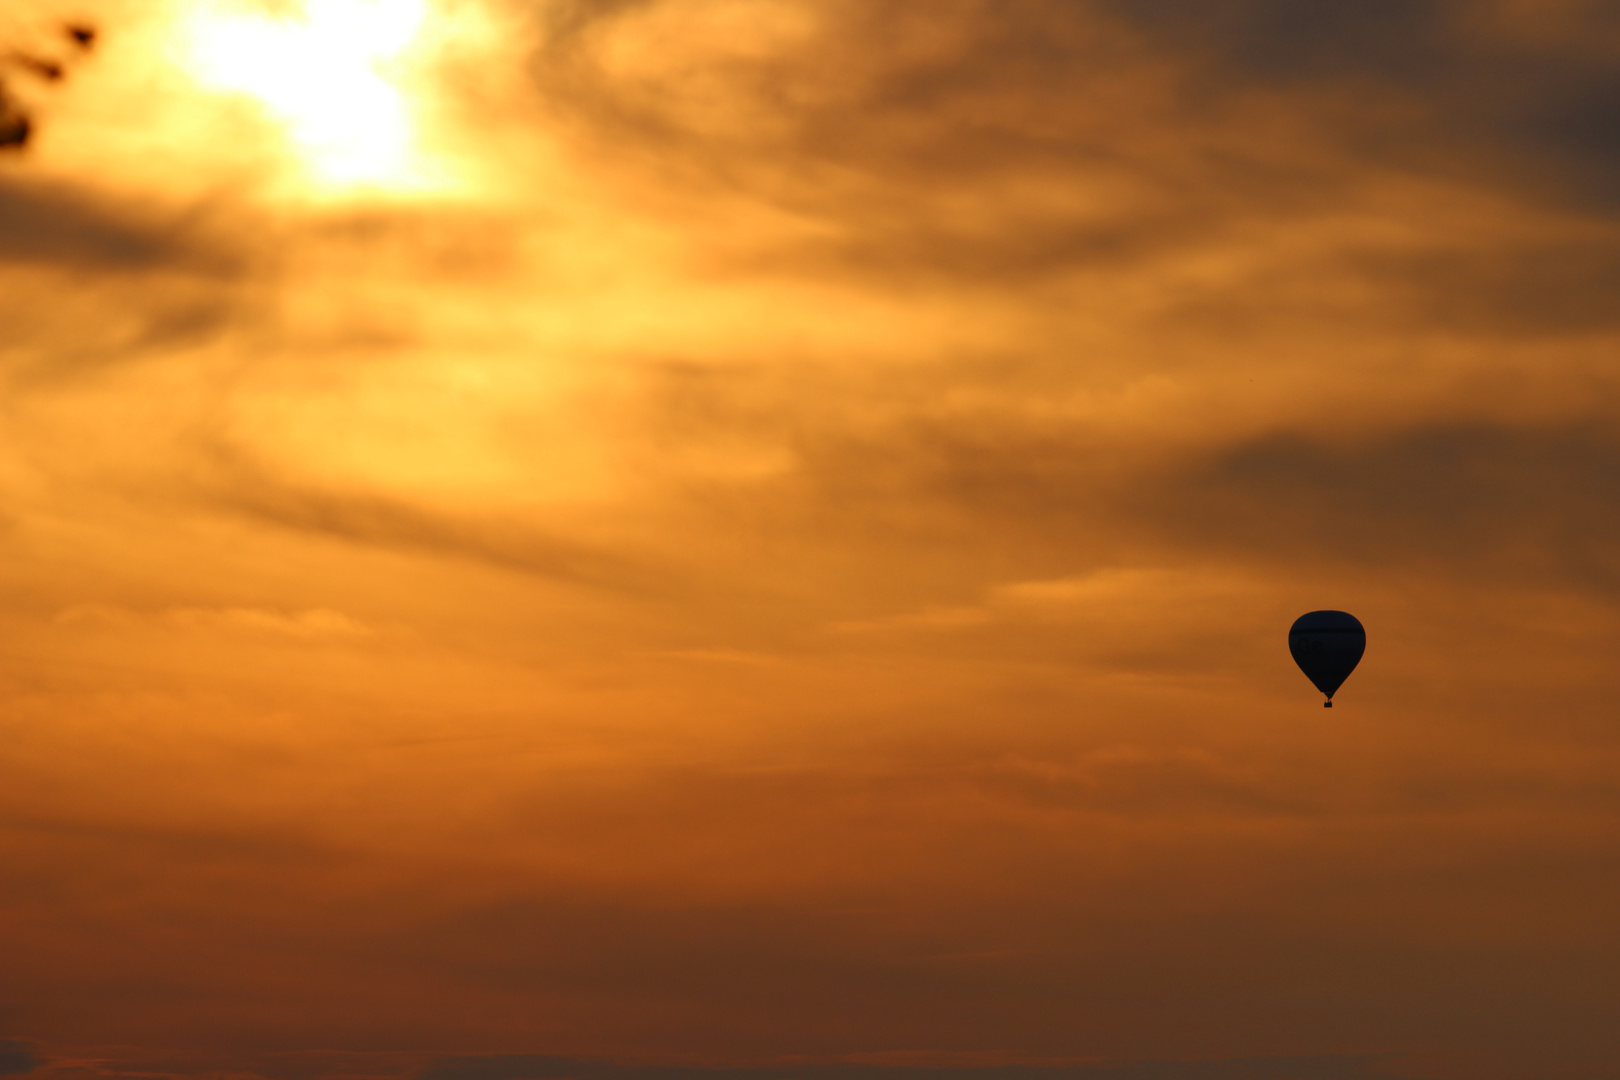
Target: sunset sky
755	539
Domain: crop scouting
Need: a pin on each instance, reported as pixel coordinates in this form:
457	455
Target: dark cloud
1494	103
1539	501
246	487
1531	290
1569	119
131	323
17	1057
993	254
917	138
1011	492
976	102
538	1067
887	463
1401	39
53	226
1534	503
113	843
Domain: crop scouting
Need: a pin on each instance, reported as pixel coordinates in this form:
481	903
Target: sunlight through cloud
332	72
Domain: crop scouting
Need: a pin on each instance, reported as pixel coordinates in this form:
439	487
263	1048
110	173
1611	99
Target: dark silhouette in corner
16	123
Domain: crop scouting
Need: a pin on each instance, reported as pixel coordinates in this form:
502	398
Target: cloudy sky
754	539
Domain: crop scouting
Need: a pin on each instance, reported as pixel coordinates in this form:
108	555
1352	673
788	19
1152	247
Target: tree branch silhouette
16	121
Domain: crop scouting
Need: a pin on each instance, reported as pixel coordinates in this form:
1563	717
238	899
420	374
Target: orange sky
715	533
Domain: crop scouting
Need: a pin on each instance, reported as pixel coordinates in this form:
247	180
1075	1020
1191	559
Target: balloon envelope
1327	646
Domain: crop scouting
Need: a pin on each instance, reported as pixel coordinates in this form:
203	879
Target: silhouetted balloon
1327	646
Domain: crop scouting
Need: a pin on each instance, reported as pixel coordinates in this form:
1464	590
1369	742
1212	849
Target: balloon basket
1327	704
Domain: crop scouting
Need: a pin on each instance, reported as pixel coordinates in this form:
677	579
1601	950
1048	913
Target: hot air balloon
1327	646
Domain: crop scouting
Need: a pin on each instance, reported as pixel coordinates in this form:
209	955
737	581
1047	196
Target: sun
334	73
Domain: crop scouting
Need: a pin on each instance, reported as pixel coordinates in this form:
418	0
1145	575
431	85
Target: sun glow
333	73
